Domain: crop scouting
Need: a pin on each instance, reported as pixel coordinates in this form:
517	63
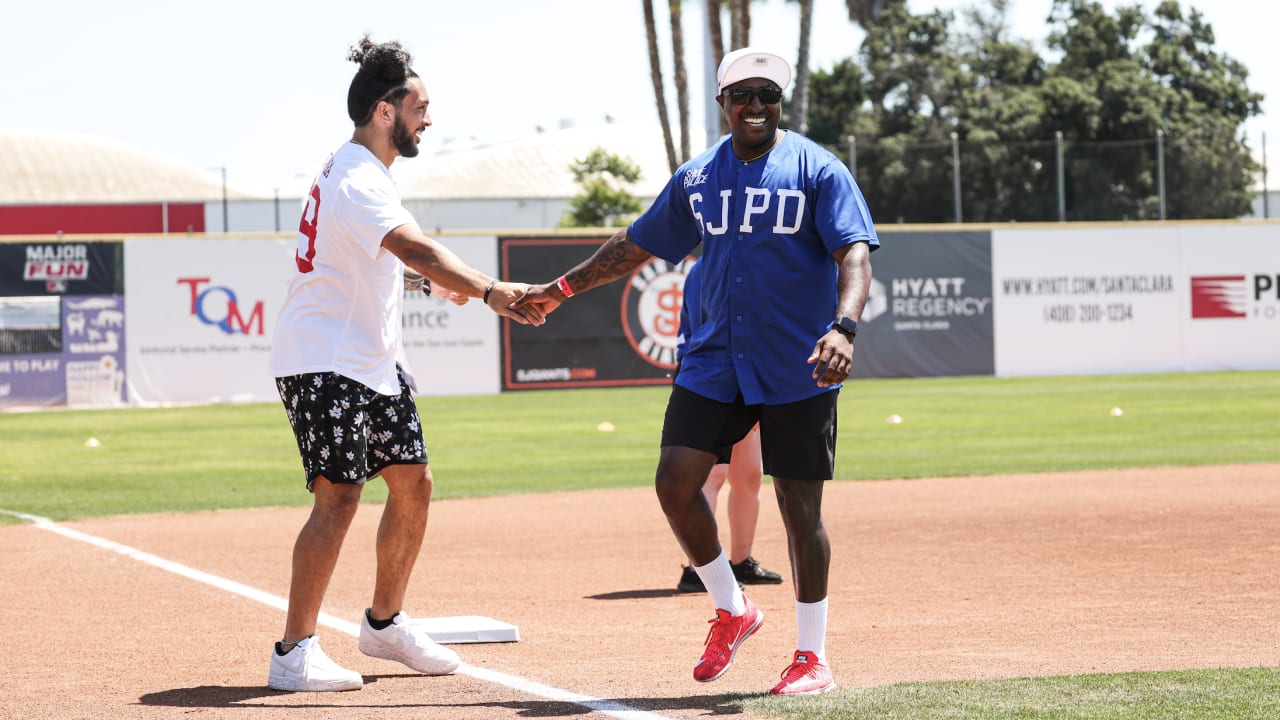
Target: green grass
1234	694
975	426
234	456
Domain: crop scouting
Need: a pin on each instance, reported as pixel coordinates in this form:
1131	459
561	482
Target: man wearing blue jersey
787	239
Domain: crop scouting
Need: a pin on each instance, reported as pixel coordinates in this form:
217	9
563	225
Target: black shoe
689	581
749	572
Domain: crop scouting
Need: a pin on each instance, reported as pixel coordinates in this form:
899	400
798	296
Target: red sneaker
723	640
805	676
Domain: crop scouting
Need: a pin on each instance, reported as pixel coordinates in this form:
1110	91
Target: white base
468	629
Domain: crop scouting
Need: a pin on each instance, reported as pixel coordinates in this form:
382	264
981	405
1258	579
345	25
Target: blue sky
259	87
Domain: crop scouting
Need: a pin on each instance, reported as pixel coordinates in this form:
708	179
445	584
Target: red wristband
564	286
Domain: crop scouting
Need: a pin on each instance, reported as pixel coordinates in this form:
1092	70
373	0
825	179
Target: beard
402	139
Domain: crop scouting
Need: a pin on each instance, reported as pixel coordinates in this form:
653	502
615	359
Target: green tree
1208	171
902	119
1007	164
1118	81
605	199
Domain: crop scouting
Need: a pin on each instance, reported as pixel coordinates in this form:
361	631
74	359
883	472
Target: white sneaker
405	642
306	668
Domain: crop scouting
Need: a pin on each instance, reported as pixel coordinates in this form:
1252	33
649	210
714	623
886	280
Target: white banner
1088	300
1231	309
201	313
454	350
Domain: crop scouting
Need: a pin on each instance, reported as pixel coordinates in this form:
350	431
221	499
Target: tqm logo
218	305
651	305
1219	296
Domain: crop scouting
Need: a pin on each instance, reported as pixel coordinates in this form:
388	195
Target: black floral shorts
347	432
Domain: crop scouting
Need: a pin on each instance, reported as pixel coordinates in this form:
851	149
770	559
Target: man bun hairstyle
384	70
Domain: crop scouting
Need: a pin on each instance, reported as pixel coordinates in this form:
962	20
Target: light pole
225	228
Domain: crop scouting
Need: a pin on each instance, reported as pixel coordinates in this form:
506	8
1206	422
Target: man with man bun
339	364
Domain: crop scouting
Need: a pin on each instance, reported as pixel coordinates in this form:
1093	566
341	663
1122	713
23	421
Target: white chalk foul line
513	682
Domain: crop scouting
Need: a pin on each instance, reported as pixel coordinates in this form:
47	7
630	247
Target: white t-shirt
342	313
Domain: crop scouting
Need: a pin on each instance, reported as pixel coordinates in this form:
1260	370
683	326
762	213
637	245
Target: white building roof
536	166
52	166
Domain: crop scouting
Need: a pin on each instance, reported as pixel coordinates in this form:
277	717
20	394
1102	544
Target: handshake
524	303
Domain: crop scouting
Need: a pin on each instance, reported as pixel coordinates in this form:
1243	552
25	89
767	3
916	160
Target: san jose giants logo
651	304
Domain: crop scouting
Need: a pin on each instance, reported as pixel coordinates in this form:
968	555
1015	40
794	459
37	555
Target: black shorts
346	431
797	440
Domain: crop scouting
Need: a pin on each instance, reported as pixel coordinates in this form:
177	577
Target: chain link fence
1053	180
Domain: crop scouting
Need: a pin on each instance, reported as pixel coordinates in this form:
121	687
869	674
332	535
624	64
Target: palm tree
798	118
659	92
739	23
717	43
681	78
713	25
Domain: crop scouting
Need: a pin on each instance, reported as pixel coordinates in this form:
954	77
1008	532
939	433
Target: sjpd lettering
786	215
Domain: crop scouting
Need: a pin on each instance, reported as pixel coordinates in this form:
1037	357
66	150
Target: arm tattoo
616	258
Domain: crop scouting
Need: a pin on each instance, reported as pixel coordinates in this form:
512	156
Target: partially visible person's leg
744	474
715	481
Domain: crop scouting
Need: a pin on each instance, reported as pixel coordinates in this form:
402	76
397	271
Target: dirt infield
931	579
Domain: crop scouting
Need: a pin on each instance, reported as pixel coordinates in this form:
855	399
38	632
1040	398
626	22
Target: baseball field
1071	547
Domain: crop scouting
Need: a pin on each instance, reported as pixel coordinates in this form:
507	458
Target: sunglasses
743	95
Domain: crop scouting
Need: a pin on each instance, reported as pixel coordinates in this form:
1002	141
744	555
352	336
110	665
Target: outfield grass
233	456
1232	694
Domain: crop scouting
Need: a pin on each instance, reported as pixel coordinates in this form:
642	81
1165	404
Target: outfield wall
149	320
1137	299
201	313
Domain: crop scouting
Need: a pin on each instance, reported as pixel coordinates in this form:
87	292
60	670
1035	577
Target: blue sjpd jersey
768	289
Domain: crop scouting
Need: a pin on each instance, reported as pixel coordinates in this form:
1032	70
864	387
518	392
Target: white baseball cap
749	62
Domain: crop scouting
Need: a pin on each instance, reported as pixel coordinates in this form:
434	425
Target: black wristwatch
845	325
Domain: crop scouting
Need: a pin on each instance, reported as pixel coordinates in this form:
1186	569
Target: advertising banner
201	314
59	268
62	351
622	333
1230	302
454	350
929	308
1088	300
93	353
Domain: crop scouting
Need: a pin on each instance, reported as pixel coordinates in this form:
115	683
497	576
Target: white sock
722	585
811	621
